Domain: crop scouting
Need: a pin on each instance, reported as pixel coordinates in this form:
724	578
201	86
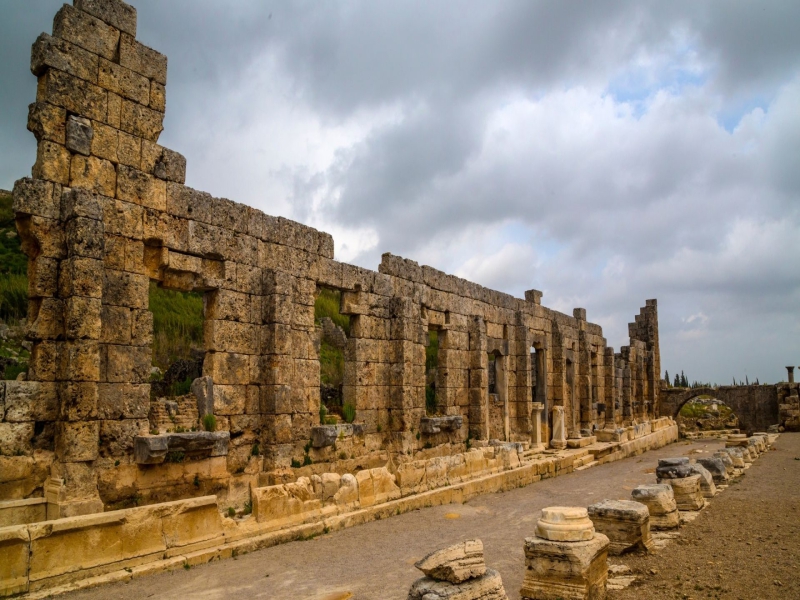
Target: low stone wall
54	556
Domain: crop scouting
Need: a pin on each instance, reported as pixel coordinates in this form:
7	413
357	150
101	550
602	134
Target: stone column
536	432
559	440
790	373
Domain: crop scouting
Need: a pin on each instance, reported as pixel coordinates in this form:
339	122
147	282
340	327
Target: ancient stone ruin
522	392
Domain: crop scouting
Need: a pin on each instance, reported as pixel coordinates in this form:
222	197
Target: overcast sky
603	152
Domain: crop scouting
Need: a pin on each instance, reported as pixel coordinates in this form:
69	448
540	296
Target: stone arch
755	405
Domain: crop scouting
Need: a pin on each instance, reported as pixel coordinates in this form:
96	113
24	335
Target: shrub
307	460
349	412
209	422
323	413
256	451
296	464
13	297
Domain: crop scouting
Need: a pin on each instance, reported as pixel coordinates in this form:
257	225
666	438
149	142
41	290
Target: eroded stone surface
487	587
456	563
626	524
565	524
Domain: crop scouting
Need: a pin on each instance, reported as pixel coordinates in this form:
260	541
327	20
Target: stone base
558	444
487	587
581	442
626	524
687	492
567	570
665	522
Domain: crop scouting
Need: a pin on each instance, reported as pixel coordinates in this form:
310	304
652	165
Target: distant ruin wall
106	212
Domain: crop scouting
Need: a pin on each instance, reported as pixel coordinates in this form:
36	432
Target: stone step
588	465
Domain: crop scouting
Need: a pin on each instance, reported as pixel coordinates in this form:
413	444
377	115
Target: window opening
431	371
335	330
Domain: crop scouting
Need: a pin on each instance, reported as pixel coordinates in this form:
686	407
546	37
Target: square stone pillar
559	440
625	523
536	433
790	374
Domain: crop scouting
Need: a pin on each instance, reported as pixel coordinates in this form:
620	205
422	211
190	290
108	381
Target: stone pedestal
687	492
660	502
457	572
707	486
537	444
559	440
737	457
626	524
555	568
716	467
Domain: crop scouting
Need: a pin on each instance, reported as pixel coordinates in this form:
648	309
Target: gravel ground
376	560
743	545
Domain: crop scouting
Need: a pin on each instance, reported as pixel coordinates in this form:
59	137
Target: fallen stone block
673	468
707	487
687	492
716	467
456	563
487	587
660	501
153	449
626	524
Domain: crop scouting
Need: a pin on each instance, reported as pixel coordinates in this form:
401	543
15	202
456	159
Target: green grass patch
13	296
177	325
327	305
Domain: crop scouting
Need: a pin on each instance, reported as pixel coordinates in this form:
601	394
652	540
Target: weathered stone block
86	31
46	316
85	238
81	276
52	163
114	12
144	60
141	121
660	502
82	318
80	361
127	364
59	54
326	435
77	441
121	288
14	559
487	587
124	82
565	524
80	203
77	401
230	399
129	151
142	328
37	197
30	401
158	97
117	437
42	277
79	135
93	174
47	122
76	95
170	166
687	492
716	467
15	438
140	188
123	400
456	563
626	524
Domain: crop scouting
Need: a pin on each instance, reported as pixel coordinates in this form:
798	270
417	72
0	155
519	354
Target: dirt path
744	545
376	560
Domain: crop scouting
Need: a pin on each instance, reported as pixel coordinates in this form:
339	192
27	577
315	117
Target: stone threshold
252	536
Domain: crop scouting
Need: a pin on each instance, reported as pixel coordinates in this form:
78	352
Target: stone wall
106	212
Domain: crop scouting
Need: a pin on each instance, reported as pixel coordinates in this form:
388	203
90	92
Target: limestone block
327	435
141	121
140	188
331	482
121	288
565	524
79	135
227	367
716	467
77	441
85	238
76	95
114	12
80	203
52	163
14	557
93	174
127	364
673	468
144	60
82	317
286	505
117	437
15	438
707	487
81	276
79	361
129	151
347	496
142	327
37	197
47	122
376	486
153	449
456	563
158	98
124	82
86	31
230	399
30	401
487	587
626	524
555	570
42	277
170	166
59	54
660	501
687	492
727	461
203	389
77	401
